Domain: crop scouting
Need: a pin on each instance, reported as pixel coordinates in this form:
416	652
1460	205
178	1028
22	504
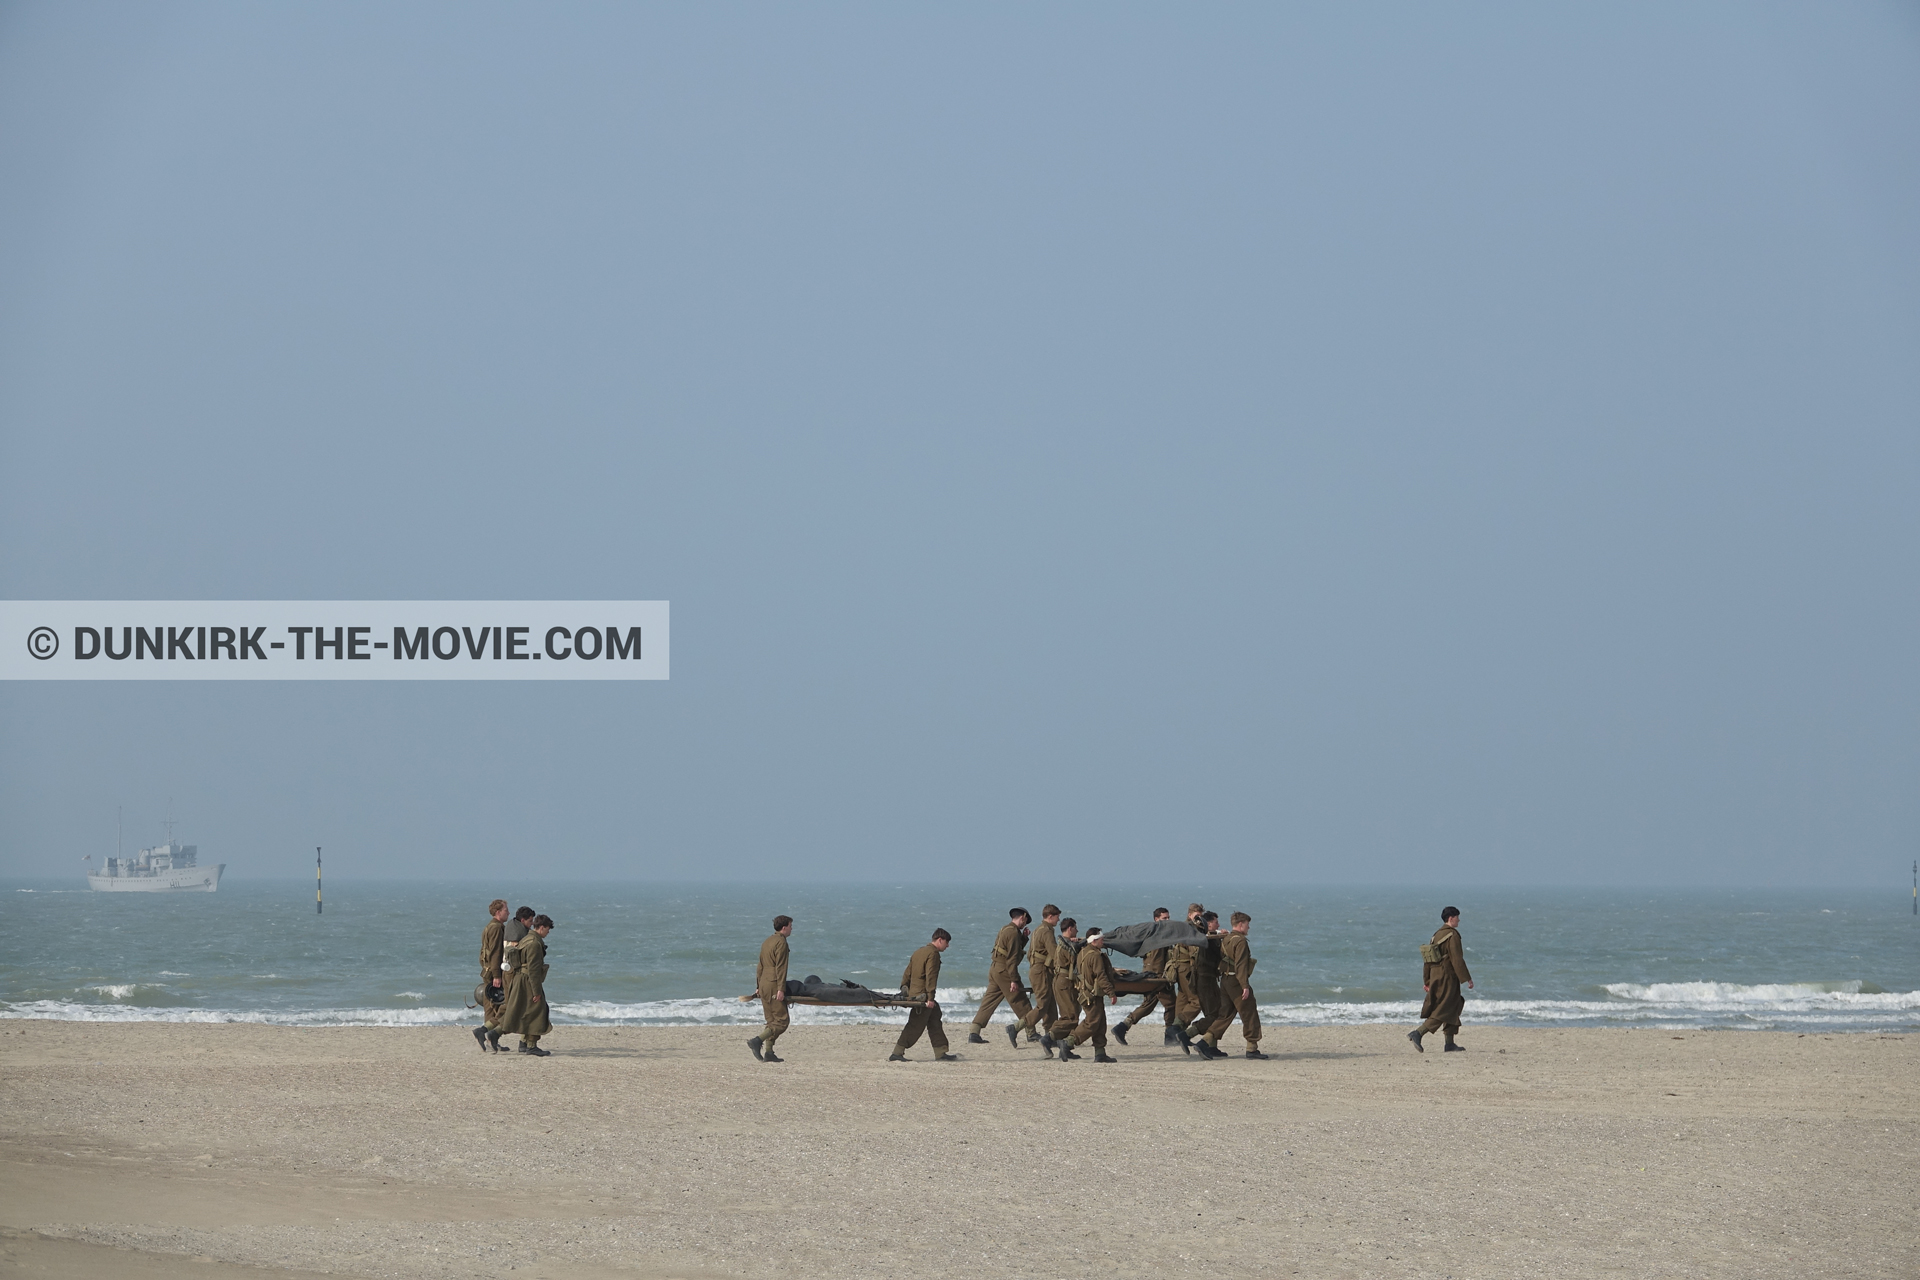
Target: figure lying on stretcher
816	990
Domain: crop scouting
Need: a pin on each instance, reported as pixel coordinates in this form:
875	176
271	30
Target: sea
404	954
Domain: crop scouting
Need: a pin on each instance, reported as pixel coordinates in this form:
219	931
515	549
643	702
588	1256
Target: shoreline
656	1152
1805	1008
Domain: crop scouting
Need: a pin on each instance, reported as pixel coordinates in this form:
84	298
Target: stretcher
815	990
853	995
1128	982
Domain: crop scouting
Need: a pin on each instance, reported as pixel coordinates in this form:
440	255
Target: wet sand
172	1151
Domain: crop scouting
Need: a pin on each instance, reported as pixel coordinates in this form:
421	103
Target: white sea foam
69	1011
1828	1006
1731	994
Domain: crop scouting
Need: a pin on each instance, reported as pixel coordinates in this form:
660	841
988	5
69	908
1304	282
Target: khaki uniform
770	981
493	942
1443	980
1155	965
1186	1006
1066	996
921	982
1093	984
1236	975
1003	977
525	1010
1040	977
1206	983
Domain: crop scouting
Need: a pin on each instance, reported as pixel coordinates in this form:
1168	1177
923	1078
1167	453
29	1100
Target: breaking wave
1797	1006
69	1011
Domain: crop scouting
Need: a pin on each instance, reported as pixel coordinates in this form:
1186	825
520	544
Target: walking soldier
1154	963
1443	969
921	982
492	984
1003	979
1236	992
1093	986
770	982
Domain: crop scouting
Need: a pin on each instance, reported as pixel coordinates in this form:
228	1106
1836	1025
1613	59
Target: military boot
1119	1033
754	1044
946	1057
1013	1034
1172	1037
493	1042
1415	1037
896	1056
1101	1055
1253	1051
1033	1036
1186	1041
1066	1052
768	1055
974	1037
1451	1047
480	1038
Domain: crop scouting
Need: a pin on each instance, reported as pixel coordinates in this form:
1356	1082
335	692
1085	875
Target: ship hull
184	880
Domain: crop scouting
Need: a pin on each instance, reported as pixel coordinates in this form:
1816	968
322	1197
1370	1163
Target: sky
1339	444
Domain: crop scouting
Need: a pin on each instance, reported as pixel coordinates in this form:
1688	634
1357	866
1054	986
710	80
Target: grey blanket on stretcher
843	992
1138	939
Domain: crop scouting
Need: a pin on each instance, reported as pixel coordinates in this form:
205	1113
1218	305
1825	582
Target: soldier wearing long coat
526	1010
1443	976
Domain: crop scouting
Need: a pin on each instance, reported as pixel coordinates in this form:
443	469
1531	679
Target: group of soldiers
513	979
1202	985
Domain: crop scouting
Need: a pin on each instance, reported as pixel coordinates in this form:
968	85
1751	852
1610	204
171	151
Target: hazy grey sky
1090	442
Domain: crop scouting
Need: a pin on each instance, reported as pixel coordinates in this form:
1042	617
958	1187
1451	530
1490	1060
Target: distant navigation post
319	907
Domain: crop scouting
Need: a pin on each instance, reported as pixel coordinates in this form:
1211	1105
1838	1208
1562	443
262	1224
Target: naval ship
165	868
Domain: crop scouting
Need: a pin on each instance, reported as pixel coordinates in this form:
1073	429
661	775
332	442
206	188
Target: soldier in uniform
1180	962
526	1003
510	940
1236	992
1003	979
492	985
770	981
921	982
1206	974
1040	975
1093	985
1066	1001
1442	978
1154	963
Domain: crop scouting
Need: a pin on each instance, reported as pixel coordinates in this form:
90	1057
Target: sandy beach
166	1150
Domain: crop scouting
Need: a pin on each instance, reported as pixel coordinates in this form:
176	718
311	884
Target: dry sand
169	1151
